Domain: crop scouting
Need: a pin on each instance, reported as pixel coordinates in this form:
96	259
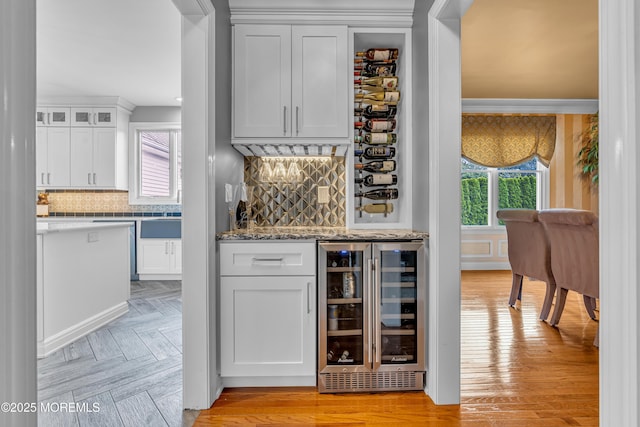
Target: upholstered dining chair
573	235
529	254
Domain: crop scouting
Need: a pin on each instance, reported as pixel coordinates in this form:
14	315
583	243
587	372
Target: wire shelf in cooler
344	301
403	316
398	300
398	269
398	284
345	333
397	331
343	269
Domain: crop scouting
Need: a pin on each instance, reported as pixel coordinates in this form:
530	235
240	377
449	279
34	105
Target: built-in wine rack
376	98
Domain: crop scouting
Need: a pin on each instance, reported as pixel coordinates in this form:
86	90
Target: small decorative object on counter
42	205
376	98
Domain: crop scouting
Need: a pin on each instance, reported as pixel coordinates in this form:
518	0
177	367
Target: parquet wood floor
516	371
131	367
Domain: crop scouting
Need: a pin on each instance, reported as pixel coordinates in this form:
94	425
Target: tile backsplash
102	203
295	203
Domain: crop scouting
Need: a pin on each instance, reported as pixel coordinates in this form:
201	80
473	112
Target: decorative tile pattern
90	203
296	203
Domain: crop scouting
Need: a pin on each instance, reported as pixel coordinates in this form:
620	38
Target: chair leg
548	300
516	289
561	298
590	305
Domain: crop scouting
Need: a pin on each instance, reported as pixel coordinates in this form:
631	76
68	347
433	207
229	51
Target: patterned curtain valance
501	141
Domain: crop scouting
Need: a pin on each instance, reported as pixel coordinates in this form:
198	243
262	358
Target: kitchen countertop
56	227
319	233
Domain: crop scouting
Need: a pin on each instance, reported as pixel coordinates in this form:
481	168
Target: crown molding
94	101
523	106
398	13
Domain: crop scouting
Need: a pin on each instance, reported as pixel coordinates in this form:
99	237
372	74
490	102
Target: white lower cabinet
267	316
159	256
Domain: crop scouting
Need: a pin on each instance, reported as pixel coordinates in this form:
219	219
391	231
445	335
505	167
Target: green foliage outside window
515	191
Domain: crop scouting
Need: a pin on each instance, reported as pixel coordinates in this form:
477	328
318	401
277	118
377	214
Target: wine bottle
383	111
376	125
376	153
379	69
391	97
381	194
374	208
380	166
380	138
378	179
385	83
379	54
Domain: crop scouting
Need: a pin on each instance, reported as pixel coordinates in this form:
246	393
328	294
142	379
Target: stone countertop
57	227
319	233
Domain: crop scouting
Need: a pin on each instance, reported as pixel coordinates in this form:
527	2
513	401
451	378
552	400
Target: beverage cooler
371	316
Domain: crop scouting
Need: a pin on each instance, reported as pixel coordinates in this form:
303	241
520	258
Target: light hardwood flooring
131	368
515	371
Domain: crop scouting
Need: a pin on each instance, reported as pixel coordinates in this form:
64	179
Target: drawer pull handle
267	261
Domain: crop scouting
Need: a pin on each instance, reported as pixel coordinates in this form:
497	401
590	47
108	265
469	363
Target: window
156	163
483	190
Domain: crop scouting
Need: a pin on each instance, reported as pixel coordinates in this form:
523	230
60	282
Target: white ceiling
126	48
131	49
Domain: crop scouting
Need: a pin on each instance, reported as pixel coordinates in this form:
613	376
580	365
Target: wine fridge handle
371	305
284	120
376	289
297	122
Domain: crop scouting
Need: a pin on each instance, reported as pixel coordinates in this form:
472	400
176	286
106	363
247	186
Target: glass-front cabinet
371	316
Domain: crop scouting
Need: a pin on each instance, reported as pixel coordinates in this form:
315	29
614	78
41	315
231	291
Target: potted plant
588	154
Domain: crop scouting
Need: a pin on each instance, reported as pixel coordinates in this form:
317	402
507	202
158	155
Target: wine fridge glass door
343	326
398	308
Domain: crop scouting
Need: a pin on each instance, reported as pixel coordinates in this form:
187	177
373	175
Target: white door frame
619	185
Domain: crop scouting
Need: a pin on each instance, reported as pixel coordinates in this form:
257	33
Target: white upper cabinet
53	116
319	81
94	158
290	81
52	157
87	116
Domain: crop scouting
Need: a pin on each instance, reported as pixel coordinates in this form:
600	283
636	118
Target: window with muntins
484	190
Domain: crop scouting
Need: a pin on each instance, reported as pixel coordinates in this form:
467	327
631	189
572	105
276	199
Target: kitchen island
82	279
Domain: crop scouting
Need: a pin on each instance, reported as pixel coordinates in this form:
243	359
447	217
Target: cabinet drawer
268	259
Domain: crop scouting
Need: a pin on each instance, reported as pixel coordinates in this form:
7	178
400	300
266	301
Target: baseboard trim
485	266
69	335
159	276
307	381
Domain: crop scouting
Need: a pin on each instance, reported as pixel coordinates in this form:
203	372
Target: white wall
17	209
157	114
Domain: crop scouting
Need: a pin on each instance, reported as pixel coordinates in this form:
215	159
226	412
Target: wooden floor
516	371
132	367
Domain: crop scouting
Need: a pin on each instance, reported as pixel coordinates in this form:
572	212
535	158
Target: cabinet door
262	81
268	326
320	81
52	116
58	147
104	157
154	256
82	157
104	117
82	116
42	148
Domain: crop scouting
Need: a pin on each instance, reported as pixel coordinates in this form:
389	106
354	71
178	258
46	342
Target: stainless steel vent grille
370	381
291	150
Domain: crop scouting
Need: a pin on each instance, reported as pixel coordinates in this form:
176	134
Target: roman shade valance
501	141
